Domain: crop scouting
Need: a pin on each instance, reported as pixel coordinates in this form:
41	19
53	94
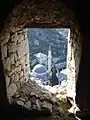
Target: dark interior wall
83	82
41	13
81	10
3	95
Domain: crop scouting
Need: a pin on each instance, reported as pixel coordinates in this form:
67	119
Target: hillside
39	40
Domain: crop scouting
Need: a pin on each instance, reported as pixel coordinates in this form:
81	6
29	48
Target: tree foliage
54	79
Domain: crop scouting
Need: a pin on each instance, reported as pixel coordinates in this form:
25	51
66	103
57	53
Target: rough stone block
12	59
22	81
28	105
14	37
25	30
11	89
22	49
26	70
22	99
21	38
7	80
4	51
21	74
38	104
18	68
7	64
12	77
20	32
13	69
17	63
26	36
16	76
22	61
18	84
47	105
12	47
20	103
15	57
5	38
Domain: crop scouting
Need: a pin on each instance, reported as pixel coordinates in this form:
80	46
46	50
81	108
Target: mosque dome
39	69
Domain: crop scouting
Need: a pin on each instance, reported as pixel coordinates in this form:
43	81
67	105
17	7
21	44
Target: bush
54	79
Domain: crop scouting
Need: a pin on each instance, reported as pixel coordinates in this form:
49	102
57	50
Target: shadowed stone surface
17	45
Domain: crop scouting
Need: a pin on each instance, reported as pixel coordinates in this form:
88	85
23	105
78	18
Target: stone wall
15	58
73	61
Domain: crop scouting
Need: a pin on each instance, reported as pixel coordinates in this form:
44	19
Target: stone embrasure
14	45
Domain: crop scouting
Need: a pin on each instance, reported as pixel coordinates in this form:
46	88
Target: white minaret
49	59
41	58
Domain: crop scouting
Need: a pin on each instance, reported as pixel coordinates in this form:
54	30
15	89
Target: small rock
47	105
28	105
53	99
38	104
15	57
17	63
20	103
20	38
22	49
12	89
17	95
12	59
4	51
7	64
18	68
12	47
16	77
22	81
63	98
21	74
18	84
61	111
22	99
7	80
14	37
5	38
12	77
32	94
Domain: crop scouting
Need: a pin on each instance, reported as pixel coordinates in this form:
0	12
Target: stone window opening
15	50
60	46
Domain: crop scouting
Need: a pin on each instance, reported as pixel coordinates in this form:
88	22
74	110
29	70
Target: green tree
54	79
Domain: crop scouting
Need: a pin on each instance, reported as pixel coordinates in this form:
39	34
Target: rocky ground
51	102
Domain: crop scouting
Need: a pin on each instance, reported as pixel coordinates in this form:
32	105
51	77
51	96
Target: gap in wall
48	49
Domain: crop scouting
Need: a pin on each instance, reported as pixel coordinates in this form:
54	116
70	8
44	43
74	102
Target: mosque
40	72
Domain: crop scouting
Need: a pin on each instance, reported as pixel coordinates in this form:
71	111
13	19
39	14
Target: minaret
40	58
49	59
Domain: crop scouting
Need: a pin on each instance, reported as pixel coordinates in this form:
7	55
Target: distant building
62	75
49	59
64	71
40	72
42	58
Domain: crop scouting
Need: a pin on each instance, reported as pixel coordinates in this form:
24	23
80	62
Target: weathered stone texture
7	65
11	90
22	49
16	43
4	51
5	38
14	57
7	81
